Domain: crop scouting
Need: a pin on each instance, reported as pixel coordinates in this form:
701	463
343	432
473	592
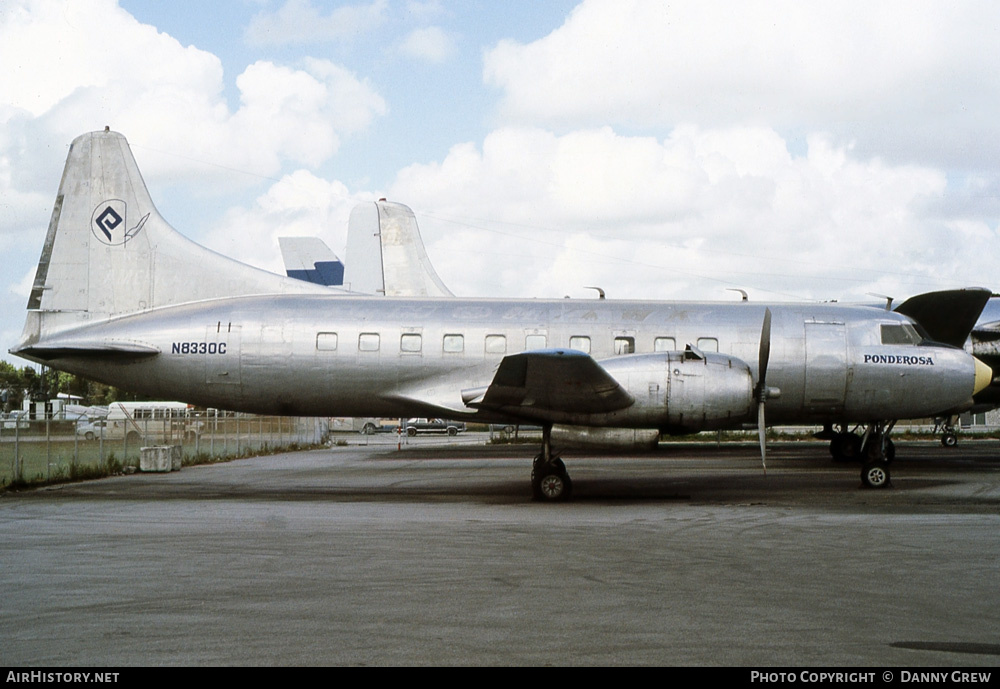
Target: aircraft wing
545	384
550	380
948	316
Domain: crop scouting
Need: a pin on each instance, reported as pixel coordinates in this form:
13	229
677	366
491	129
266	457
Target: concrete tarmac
362	555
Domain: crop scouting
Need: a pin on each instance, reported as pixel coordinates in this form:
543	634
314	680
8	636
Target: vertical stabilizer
108	251
385	254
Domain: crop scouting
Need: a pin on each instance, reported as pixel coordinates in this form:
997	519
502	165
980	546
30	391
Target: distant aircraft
310	259
385	255
121	297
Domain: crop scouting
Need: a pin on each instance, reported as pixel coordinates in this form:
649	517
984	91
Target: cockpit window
900	334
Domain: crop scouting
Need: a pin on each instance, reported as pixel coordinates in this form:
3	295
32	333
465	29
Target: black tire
551	486
452	430
875	475
846	447
411	432
89	435
369	429
949	440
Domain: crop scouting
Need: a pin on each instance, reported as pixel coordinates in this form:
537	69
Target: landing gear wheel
875	474
949	440
551	485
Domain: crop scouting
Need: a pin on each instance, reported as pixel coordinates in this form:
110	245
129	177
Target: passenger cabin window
664	344
708	344
453	344
326	342
901	334
534	342
496	344
624	345
410	342
368	342
580	342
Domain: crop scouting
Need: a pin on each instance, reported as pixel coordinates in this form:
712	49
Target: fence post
48	446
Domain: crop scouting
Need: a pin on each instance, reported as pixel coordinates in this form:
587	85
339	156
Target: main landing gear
549	480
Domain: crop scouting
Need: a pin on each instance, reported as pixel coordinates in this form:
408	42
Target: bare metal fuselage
376	356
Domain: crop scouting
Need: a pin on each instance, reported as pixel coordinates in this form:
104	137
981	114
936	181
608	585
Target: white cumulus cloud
75	67
299	21
299	204
429	44
903	79
684	216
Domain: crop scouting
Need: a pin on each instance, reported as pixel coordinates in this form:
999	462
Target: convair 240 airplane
122	298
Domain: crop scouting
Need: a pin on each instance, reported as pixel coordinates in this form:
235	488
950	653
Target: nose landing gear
878	451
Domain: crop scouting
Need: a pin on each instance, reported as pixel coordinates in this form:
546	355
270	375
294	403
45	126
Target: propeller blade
762	432
764	354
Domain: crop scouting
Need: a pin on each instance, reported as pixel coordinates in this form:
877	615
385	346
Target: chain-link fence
46	450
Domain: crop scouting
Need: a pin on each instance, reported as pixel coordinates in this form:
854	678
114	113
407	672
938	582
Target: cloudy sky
659	150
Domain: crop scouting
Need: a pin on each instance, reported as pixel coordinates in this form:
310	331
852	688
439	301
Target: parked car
91	429
16	419
414	426
371	426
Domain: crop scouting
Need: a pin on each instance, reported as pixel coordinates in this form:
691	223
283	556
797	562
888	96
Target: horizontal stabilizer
948	316
119	350
561	380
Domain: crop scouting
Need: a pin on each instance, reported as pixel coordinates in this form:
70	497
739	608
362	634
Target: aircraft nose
984	376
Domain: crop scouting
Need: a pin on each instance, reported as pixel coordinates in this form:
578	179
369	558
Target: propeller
761	391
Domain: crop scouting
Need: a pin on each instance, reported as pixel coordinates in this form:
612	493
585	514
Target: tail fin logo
109	222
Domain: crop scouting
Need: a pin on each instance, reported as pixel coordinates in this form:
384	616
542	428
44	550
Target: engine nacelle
684	392
707	391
